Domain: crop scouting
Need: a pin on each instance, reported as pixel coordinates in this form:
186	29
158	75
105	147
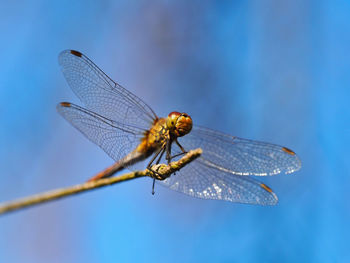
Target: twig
165	170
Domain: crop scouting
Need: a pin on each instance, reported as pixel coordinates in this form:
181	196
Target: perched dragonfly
129	131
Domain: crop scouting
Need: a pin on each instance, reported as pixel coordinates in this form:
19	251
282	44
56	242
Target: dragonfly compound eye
172	119
183	125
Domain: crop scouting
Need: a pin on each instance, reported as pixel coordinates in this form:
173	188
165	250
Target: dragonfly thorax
179	124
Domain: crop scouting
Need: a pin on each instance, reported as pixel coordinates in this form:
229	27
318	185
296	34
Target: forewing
115	138
240	156
200	180
101	94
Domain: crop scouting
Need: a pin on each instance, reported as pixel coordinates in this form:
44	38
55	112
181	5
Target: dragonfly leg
168	151
159	153
154	157
154	181
181	148
149	166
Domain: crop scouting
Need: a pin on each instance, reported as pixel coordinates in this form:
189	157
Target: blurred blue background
276	71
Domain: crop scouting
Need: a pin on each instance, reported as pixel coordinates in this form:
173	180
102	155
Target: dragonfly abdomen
130	159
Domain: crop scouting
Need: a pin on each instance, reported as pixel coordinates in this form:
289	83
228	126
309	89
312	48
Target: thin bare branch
164	170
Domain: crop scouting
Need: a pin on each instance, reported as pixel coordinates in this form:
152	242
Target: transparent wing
240	156
115	138
221	171
200	180
101	94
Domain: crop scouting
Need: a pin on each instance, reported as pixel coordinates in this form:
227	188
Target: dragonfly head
179	124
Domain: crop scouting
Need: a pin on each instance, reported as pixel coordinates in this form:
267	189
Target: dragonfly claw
156	174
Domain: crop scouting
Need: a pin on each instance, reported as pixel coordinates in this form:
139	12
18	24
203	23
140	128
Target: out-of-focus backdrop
276	71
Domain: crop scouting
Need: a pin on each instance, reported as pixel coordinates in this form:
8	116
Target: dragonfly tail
132	158
108	172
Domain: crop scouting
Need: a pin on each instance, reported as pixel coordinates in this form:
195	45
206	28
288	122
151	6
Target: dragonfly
130	132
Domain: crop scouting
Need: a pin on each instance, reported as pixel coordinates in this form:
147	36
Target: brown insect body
163	131
154	138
